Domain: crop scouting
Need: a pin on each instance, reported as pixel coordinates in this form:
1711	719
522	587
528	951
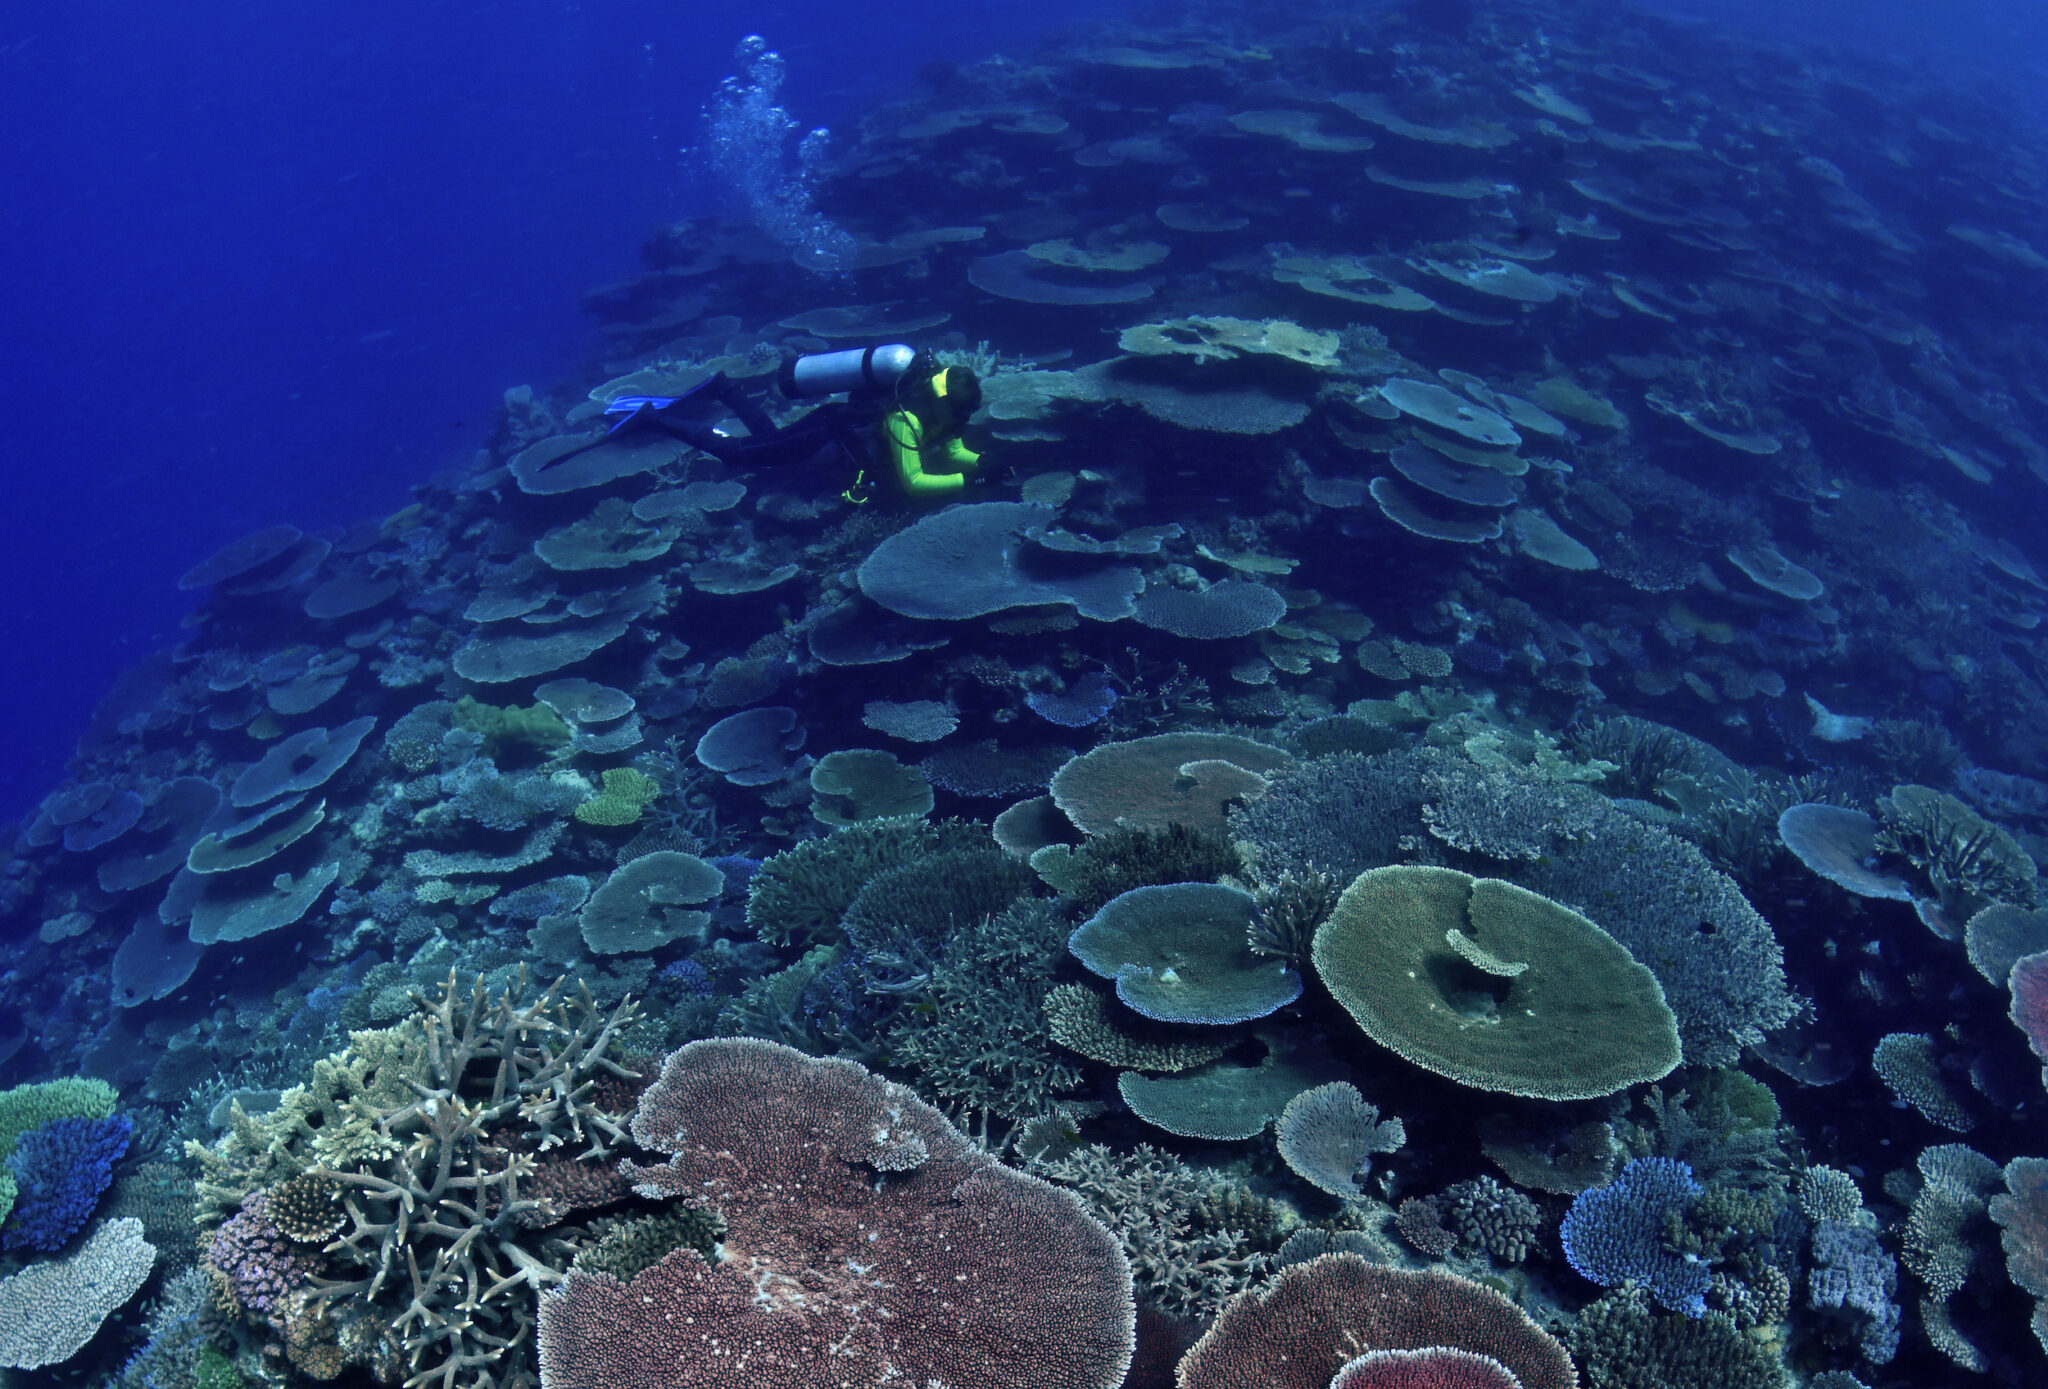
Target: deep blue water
269	264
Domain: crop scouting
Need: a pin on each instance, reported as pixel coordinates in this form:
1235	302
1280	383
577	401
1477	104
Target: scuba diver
902	416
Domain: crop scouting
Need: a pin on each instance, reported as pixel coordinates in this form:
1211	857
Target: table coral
1320	1315
48	1311
867	1242
1420	955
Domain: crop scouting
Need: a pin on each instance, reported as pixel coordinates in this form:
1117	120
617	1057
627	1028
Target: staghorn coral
1969	861
1155	1206
436	1138
979	1034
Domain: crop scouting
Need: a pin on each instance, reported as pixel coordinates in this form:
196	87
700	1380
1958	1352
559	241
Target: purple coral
256	1258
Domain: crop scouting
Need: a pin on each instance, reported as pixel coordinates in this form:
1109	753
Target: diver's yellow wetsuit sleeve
946	470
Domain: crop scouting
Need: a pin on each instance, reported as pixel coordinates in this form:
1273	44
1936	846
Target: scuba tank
855	369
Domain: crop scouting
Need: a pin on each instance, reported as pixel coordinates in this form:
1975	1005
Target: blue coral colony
1448	793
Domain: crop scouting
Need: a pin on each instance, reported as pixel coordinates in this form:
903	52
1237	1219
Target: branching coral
1155	1206
439	1143
1969	861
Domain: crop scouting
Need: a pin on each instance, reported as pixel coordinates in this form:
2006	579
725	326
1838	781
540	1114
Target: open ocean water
1408	747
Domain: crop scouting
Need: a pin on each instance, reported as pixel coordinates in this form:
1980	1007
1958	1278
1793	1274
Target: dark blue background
273	262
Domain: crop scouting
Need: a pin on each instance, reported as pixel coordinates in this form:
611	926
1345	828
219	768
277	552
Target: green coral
1620	1343
633	1246
509	731
331	1119
1111	864
802	893
627	791
978	1035
1727	1132
28	1107
215	1371
1737	1101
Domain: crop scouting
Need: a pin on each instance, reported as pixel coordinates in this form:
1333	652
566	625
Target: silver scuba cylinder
856	368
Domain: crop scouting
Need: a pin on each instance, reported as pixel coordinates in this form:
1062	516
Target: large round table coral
1495	986
867	1243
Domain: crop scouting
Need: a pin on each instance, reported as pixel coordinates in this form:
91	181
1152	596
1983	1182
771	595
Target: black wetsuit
839	432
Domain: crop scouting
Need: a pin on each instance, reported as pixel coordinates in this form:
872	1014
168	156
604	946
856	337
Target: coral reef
1507	564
